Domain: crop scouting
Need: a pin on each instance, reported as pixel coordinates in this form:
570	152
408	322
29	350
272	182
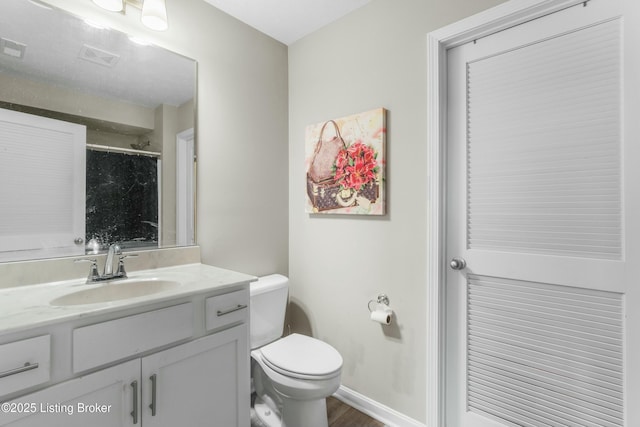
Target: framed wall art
345	164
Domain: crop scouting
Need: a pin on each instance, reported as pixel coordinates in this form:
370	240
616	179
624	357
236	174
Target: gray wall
241	130
374	57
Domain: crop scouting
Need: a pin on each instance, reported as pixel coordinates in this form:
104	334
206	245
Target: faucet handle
94	275
121	271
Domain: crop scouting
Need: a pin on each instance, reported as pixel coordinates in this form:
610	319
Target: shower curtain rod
129	151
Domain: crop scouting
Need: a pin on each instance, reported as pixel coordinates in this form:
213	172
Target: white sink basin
115	291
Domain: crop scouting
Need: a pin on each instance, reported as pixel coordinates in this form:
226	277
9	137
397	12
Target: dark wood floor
343	415
338	414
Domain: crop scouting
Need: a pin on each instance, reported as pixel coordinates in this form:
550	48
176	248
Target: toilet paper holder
381	313
382	299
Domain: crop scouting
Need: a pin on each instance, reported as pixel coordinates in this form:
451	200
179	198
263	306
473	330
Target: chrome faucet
94	274
114	249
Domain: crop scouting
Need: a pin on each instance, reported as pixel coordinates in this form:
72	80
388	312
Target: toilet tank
268	297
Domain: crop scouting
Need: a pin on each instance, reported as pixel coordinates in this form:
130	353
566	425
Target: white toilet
292	375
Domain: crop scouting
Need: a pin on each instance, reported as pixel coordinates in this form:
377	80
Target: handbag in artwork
325	154
325	191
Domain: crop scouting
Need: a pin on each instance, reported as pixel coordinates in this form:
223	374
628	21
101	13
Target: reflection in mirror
96	138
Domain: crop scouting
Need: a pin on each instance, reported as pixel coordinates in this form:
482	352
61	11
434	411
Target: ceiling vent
98	56
12	49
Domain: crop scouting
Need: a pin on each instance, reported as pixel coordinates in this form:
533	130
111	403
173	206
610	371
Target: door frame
501	17
185	194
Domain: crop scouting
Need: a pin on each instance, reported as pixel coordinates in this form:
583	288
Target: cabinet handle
134	413
152	406
27	367
231	310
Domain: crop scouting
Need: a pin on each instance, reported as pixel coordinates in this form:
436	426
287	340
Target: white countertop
27	307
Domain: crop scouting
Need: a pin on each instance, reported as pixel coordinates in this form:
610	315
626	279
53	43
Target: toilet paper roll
382	316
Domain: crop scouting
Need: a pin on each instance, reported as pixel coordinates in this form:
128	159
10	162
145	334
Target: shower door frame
501	17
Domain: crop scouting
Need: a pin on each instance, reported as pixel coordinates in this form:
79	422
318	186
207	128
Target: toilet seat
303	357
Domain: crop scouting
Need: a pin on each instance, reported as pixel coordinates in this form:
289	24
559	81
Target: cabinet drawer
24	364
106	342
227	309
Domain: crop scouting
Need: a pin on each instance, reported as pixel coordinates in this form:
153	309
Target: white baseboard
378	411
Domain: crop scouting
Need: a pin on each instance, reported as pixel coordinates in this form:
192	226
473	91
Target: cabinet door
201	383
103	399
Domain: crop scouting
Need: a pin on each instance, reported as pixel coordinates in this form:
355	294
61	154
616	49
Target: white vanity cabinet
102	399
24	363
196	384
199	383
183	364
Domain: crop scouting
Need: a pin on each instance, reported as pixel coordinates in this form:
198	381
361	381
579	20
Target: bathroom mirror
136	104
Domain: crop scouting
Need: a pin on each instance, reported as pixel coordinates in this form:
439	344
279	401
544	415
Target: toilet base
295	413
266	414
308	413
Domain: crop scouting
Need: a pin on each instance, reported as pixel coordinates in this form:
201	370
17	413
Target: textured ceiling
287	20
62	50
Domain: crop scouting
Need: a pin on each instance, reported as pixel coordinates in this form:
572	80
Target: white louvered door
42	194
542	204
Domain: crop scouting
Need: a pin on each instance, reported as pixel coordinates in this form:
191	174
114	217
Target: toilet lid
300	355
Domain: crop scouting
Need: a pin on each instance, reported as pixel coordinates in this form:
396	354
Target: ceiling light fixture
153	15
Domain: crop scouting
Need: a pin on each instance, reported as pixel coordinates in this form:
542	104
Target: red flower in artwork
356	166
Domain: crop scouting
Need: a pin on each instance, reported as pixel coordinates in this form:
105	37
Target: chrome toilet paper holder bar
382	299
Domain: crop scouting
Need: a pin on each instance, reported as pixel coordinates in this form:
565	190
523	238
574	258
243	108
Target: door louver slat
544	147
542	354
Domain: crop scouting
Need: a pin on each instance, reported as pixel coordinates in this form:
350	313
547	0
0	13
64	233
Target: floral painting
345	162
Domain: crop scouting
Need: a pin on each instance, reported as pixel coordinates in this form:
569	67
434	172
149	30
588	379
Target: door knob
457	263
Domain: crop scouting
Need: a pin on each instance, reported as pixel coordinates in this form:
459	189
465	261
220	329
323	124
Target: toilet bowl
292	375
